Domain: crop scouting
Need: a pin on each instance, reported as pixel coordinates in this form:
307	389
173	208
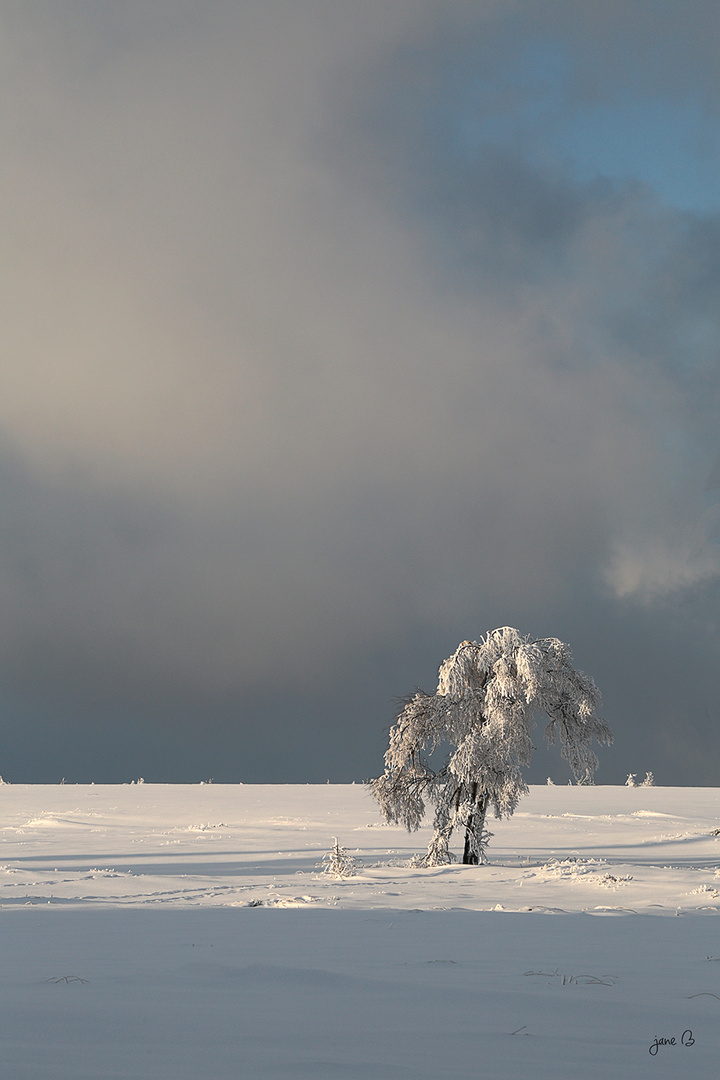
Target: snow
153	931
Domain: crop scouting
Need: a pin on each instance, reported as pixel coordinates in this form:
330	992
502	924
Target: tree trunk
474	825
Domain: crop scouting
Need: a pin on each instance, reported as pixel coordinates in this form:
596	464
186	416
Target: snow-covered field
156	931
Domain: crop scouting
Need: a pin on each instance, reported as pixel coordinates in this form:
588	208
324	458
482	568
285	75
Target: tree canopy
482	715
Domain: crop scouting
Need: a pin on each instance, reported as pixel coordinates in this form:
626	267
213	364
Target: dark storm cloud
318	360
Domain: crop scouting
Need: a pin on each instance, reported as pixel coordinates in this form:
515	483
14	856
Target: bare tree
479	723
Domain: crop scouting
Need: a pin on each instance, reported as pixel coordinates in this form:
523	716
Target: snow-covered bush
337	863
649	780
484	710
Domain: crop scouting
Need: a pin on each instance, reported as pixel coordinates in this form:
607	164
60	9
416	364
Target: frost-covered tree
479	723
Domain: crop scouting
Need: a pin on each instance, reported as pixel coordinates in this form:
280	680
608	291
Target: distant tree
479	723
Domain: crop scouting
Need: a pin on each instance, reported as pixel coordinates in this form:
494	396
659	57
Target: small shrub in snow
703	890
337	863
632	780
612	882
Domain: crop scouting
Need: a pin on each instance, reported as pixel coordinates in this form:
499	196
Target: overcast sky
336	333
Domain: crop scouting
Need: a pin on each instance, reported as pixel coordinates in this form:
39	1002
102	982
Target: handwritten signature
686	1039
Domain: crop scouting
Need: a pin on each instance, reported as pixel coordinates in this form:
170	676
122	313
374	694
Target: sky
335	334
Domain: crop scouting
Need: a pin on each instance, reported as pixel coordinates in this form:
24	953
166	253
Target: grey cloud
295	397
